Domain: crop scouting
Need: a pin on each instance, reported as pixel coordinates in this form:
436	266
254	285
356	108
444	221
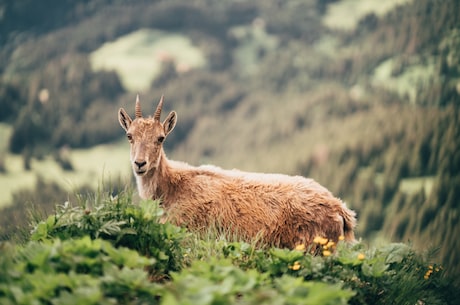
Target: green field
138	56
346	14
413	185
405	84
91	167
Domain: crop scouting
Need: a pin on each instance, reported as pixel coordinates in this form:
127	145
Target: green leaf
162	256
298	291
376	269
396	252
286	255
40	232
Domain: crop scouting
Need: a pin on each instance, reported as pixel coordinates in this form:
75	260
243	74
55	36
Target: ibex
282	210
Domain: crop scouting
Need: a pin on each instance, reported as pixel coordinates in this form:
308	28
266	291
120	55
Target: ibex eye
161	139
130	137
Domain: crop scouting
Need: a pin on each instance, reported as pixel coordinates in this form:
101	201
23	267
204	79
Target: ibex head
146	136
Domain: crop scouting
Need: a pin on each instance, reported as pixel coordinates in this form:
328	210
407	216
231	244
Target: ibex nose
140	164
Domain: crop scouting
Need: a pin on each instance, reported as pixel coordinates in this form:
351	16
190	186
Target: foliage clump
111	251
123	224
74	271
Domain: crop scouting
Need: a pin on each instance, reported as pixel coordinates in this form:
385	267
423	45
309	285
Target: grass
137	57
346	14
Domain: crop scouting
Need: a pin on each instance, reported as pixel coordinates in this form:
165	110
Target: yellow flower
427	275
330	244
300	247
320	240
341	237
295	267
361	256
326	252
428	272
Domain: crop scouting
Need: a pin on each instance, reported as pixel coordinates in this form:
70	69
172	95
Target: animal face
146	137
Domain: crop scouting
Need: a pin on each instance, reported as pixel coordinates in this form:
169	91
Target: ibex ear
124	119
170	122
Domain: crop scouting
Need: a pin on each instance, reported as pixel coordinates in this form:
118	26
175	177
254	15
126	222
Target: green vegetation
370	111
89	167
346	14
79	271
124	224
138	56
107	250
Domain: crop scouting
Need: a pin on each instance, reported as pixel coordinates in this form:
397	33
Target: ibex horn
157	115
138	108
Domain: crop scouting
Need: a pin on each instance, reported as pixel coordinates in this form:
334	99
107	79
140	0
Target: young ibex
284	211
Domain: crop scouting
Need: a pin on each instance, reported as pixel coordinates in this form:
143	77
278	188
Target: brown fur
283	210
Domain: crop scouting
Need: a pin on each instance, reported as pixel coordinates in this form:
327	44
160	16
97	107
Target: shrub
124	224
218	281
77	271
223	272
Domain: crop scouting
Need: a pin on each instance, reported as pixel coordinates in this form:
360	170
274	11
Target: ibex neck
154	185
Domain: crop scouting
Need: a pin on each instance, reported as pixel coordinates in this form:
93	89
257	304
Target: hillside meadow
360	96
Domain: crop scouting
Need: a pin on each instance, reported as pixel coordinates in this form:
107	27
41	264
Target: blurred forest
372	113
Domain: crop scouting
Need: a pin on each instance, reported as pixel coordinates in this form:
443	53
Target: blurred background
361	95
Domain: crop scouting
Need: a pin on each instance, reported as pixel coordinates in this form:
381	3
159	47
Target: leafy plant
219	281
118	220
389	273
108	250
78	271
